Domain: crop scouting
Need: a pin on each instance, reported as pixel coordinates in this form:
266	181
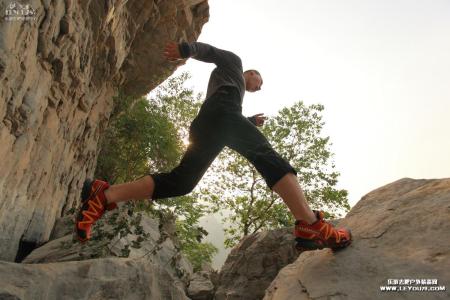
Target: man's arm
210	54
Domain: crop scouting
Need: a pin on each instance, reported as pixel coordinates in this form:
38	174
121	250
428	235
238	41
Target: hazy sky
381	69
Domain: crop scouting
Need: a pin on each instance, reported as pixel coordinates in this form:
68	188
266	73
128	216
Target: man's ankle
313	219
107	196
310	223
309	220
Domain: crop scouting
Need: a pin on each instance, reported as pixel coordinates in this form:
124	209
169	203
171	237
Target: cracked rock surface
58	75
112	265
400	231
253	264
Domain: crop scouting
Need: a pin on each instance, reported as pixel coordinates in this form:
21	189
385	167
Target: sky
381	69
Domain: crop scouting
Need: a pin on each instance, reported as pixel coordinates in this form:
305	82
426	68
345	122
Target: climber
219	123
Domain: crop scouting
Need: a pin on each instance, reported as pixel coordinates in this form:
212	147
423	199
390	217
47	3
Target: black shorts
220	123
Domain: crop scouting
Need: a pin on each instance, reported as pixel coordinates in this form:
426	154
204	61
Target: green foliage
199	253
144	136
177	102
295	133
196	251
139	139
187	211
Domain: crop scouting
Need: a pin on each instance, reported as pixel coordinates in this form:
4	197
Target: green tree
180	105
145	136
190	233
177	102
187	210
295	133
140	138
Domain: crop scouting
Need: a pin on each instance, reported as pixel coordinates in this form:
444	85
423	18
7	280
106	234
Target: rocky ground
400	231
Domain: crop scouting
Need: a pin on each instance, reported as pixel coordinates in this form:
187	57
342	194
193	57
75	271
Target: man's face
253	81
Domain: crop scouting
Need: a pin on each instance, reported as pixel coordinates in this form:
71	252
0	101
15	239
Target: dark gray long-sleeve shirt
229	66
228	72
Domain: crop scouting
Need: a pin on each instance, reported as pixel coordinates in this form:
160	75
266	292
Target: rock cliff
58	73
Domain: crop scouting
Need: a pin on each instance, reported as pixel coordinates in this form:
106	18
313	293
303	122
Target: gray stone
201	286
158	247
254	263
63	226
108	278
400	231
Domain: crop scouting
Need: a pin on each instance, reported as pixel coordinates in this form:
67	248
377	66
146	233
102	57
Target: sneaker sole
85	193
307	245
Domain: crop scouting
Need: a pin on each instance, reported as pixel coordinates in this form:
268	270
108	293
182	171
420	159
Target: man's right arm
210	54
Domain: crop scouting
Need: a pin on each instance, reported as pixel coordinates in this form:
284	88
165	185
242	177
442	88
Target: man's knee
167	185
183	187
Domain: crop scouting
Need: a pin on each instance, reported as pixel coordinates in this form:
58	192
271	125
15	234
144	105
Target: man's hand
259	119
171	52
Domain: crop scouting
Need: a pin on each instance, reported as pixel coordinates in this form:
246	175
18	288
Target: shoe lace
328	231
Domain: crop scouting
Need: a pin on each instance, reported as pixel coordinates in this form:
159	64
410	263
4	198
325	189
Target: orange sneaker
93	206
320	234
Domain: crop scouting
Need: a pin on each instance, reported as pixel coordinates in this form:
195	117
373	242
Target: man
219	123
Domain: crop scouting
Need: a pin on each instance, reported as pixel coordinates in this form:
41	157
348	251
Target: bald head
253	80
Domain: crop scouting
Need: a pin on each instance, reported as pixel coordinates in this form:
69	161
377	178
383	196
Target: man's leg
139	189
180	181
311	230
290	191
97	196
287	188
280	176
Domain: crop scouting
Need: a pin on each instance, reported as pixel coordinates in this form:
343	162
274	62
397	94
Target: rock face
58	74
154	267
117	234
254	263
108	278
401	231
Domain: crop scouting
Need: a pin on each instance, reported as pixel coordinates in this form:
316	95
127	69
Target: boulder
106	278
254	263
401	232
201	286
131	255
119	234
